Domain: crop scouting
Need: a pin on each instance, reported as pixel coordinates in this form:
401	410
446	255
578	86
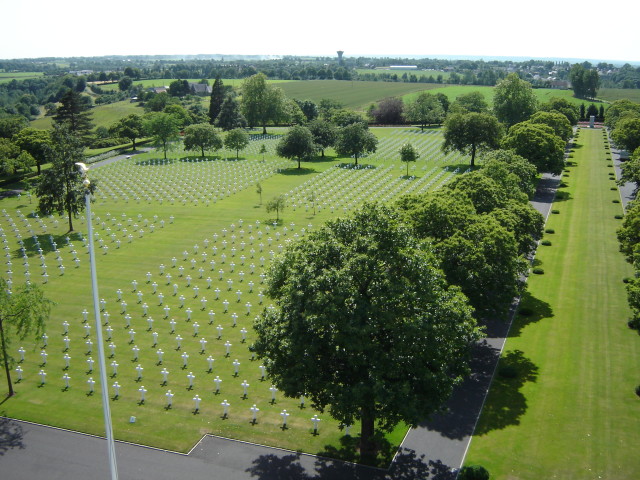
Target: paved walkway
433	450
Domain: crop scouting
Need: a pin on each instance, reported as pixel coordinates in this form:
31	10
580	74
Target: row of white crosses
193	180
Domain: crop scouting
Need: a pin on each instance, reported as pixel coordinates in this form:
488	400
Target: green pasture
8	76
571	411
148	211
401	71
165	82
610	95
103	115
352	94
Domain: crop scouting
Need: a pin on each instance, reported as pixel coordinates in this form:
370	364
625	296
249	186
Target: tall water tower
340	53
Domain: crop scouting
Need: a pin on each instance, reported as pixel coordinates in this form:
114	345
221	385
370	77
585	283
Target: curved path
433	450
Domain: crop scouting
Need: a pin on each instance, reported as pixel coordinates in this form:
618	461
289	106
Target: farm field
165	82
172	226
571	411
8	76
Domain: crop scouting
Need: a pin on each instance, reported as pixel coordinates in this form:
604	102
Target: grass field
571	412
8	76
179	204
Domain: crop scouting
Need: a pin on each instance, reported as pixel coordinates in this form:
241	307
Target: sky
541	29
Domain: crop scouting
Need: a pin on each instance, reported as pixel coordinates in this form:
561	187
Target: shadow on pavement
11	435
407	466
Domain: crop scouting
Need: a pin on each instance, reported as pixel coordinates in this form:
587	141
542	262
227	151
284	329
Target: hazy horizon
545	30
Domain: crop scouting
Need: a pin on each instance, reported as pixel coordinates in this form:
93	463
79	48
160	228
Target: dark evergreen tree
74	115
583	111
217	99
230	116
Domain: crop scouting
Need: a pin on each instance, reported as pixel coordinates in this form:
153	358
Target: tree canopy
262	103
60	188
425	110
513	100
296	144
355	140
74	114
470	132
203	137
23	313
164	128
236	139
537	143
364	324
131	127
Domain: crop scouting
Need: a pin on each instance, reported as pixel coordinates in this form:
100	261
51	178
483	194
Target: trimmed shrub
546	243
549	230
555	212
616	201
538	271
618	217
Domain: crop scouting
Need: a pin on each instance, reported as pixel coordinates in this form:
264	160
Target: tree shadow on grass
406	466
11	435
530	310
31	247
506	403
294	171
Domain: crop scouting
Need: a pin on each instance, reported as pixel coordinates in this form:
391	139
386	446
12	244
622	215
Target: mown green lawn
571	413
228	222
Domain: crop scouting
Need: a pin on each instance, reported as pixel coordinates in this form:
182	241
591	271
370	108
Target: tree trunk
356	156
133	141
298	164
6	360
264	129
473	156
368	449
70	221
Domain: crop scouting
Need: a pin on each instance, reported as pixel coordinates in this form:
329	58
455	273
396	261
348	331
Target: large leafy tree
216	101
262	103
482	259
131	127
425	110
164	128
631	171
60	188
364	324
389	111
23	313
296	144
513	100
355	140
470	132
627	133
470	102
537	143
515	173
324	133
203	137
585	81
237	139
34	141
73	113
555	120
621	109
564	106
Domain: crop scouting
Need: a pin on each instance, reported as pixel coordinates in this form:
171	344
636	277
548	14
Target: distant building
403	67
79	73
159	89
200	89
